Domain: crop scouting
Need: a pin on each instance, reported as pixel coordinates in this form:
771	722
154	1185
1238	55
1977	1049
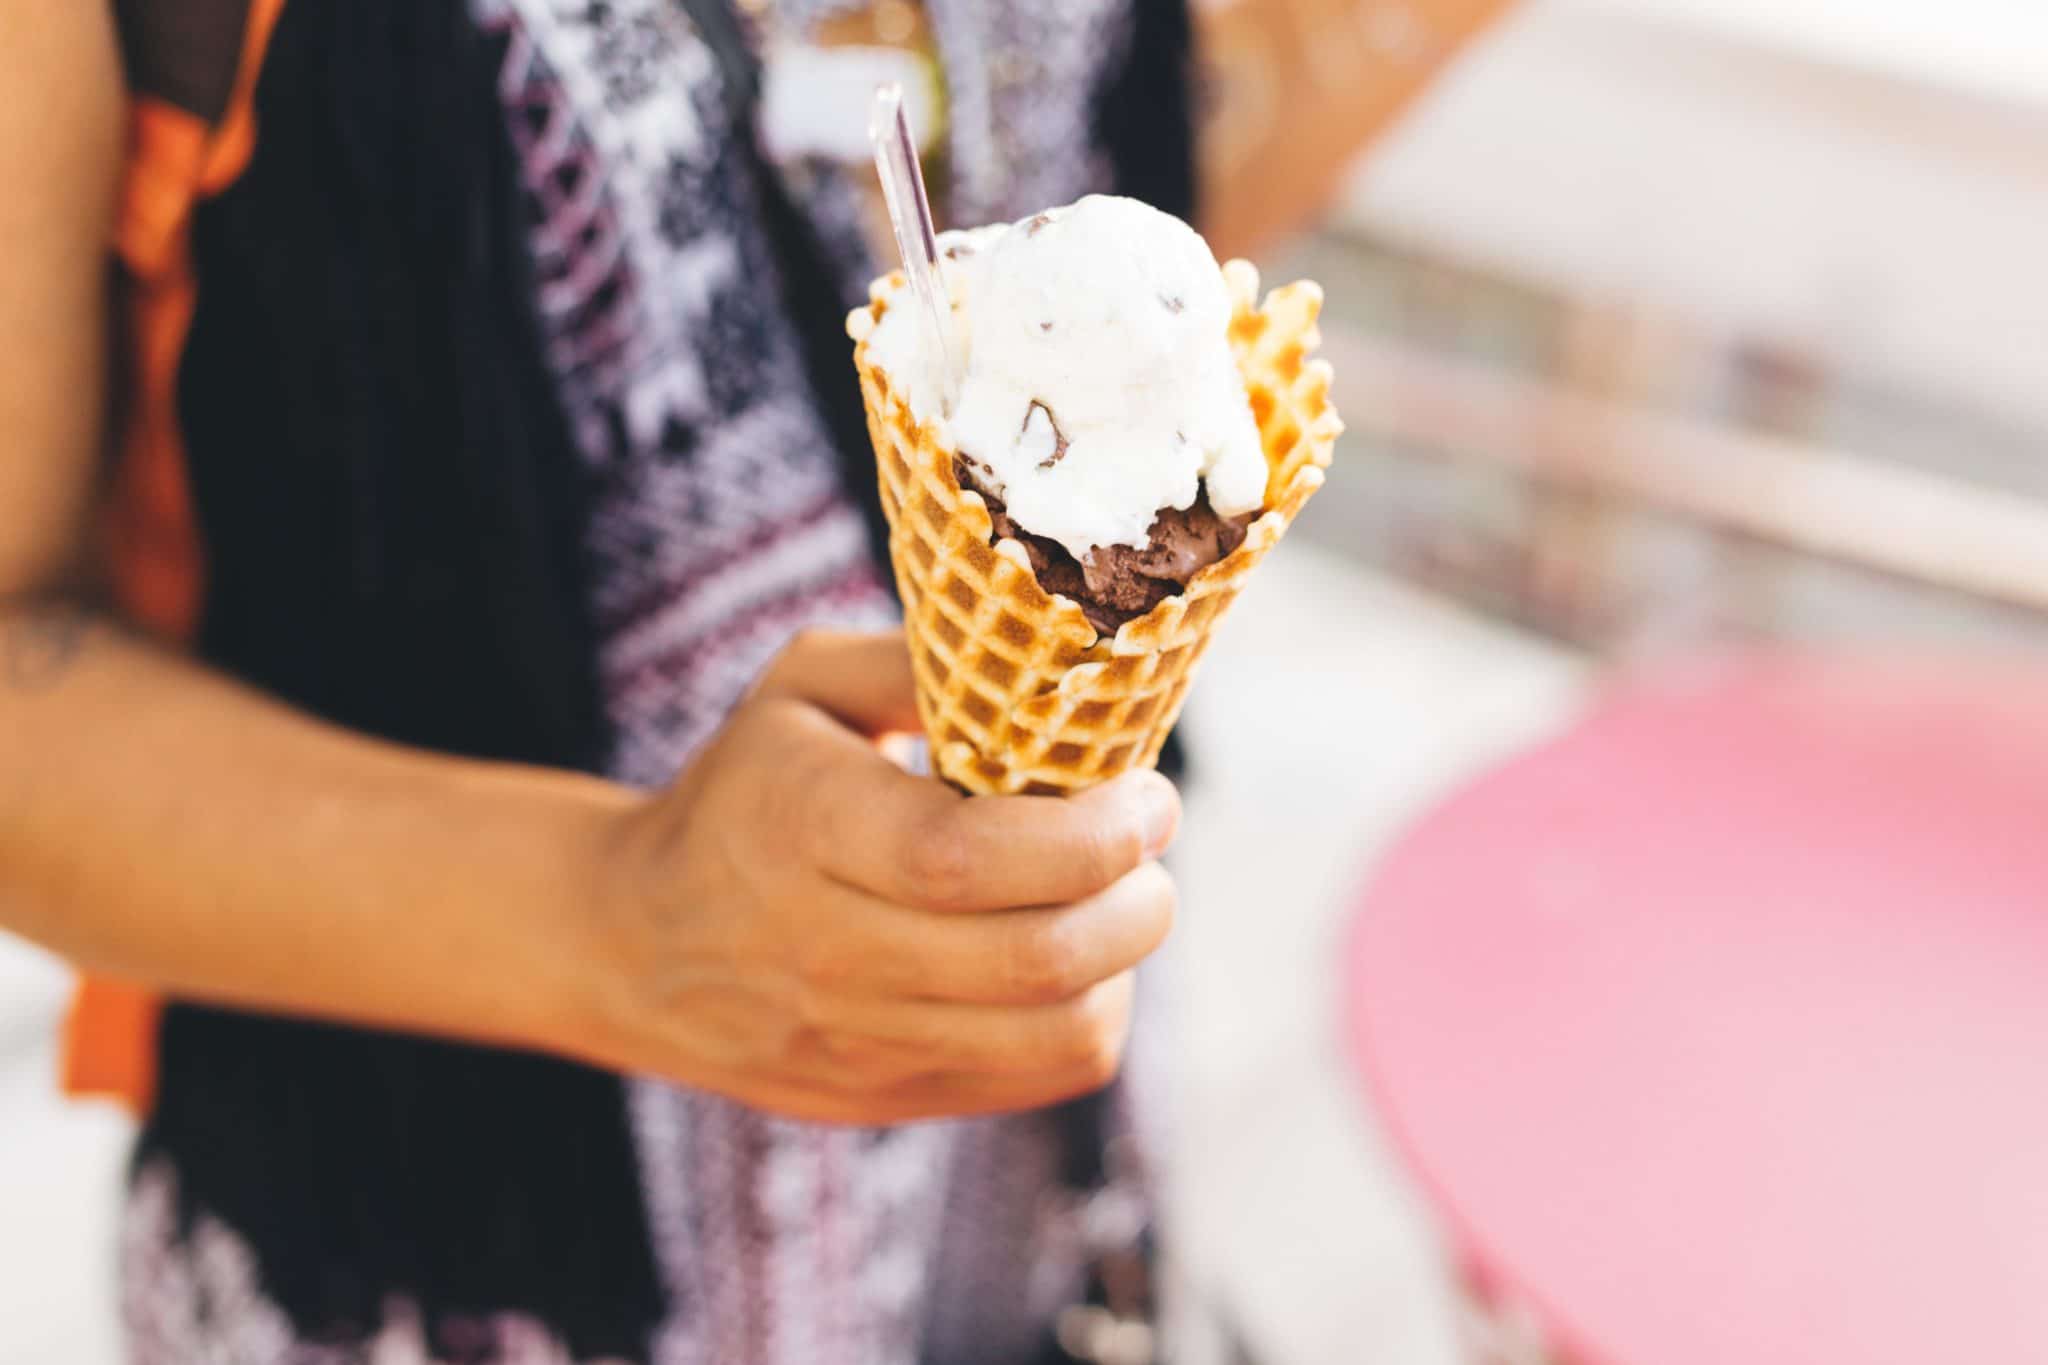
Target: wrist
567	891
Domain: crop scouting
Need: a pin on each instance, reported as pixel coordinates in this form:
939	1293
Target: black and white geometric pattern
1021	85
719	525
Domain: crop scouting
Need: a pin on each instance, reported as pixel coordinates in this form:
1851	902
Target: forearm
1270	166
161	823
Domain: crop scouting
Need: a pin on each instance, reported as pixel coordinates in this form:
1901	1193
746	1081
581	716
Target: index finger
917	842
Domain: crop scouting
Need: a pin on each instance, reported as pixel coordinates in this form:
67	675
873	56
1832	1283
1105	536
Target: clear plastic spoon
910	214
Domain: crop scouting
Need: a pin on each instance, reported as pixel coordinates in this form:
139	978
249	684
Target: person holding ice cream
445	630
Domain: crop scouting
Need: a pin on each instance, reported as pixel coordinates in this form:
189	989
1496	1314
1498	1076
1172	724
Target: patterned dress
719	527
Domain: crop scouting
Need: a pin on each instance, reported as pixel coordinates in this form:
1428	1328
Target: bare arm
796	923
161	822
1300	89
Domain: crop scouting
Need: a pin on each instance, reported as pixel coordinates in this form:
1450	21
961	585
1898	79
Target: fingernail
1162	814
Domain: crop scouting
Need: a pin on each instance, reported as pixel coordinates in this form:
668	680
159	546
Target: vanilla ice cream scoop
1099	387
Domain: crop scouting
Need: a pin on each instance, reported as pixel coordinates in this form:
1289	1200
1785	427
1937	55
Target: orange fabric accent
235	138
110	1042
152	535
152	538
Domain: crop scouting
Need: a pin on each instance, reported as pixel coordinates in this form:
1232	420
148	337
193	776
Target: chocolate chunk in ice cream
1041	432
1117	583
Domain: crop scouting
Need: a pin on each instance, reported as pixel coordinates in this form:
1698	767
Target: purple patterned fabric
719	529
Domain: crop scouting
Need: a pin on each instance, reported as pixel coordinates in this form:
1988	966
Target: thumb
861	678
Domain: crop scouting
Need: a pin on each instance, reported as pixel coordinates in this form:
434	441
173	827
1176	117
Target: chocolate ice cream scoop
1117	583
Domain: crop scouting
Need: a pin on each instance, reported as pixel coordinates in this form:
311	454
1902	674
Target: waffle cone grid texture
1017	690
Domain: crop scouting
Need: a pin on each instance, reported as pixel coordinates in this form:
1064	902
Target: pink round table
1717	1028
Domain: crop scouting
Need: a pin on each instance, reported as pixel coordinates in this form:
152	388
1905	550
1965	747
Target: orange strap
174	159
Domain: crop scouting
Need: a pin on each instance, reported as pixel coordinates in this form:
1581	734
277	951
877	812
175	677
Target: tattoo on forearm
39	647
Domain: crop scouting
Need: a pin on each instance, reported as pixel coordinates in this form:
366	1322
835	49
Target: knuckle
803	642
1111	850
811	1013
1090	1038
807	640
1048	965
1104	1056
761	741
874	1068
815	1003
756	721
938	863
823	965
1104	1069
1158	893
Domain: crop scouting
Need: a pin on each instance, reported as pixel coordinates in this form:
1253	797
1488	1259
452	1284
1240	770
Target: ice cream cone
1017	690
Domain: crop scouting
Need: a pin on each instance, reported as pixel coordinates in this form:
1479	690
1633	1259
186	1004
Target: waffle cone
1017	690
